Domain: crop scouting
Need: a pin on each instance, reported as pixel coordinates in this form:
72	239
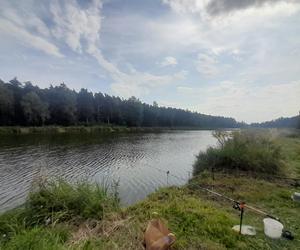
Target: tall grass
242	150
58	201
48	206
39	238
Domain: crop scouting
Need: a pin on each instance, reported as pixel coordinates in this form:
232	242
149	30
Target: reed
248	150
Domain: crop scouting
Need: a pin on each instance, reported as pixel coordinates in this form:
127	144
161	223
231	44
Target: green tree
133	112
62	107
35	110
99	100
6	104
85	106
19	106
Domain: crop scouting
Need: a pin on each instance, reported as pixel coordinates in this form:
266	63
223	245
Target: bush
36	225
244	150
60	201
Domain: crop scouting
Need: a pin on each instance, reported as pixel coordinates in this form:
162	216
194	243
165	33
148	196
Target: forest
282	122
24	104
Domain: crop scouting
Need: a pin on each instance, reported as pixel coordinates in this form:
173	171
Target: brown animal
157	236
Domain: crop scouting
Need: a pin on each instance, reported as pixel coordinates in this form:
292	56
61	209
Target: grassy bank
61	216
199	221
72	129
8	130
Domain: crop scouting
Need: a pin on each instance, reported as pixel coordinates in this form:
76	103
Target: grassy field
61	216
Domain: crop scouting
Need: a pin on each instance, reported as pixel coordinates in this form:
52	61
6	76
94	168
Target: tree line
27	105
282	122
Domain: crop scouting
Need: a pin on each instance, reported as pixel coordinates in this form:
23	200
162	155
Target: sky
235	58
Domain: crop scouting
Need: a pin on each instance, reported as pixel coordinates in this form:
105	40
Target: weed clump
58	201
54	203
251	151
39	238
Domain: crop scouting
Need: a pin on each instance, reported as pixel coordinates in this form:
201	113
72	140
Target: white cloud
169	61
210	9
207	65
77	26
187	6
222	33
28	39
84	25
245	102
134	83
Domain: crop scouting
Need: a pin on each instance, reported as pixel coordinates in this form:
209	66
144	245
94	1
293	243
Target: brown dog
157	236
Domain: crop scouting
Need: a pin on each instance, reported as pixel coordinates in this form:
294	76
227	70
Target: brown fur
157	236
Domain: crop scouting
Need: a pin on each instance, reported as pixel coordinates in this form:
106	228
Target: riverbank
7	130
199	220
73	129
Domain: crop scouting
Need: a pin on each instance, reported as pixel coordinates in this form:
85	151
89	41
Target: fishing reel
239	205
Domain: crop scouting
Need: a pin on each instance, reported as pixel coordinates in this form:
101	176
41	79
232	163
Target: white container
272	228
296	197
246	229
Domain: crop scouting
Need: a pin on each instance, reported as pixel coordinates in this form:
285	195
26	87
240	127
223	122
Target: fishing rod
237	204
217	194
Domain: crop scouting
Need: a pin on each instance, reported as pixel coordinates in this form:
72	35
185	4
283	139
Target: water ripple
132	159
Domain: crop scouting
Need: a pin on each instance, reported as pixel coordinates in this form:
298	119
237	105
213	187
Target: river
137	161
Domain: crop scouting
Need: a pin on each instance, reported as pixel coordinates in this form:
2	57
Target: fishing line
237	204
219	194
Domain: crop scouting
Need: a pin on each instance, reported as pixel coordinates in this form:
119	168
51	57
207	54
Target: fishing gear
236	205
287	234
240	206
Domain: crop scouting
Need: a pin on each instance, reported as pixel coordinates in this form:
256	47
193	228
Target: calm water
131	159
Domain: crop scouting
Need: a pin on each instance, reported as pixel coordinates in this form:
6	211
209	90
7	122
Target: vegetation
73	129
245	150
49	205
283	122
199	221
60	201
28	105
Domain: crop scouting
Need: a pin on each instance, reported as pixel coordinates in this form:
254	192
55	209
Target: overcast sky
237	58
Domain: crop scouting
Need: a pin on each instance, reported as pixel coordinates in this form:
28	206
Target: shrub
242	150
57	201
36	225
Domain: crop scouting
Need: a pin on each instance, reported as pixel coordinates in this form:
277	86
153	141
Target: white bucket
272	228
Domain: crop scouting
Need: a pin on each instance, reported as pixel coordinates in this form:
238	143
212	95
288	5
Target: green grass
273	198
199	220
246	150
61	129
202	221
60	201
39	238
291	150
50	206
6	130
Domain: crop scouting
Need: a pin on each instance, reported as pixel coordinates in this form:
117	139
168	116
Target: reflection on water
132	159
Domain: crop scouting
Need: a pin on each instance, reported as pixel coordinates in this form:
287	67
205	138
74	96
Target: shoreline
10	130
